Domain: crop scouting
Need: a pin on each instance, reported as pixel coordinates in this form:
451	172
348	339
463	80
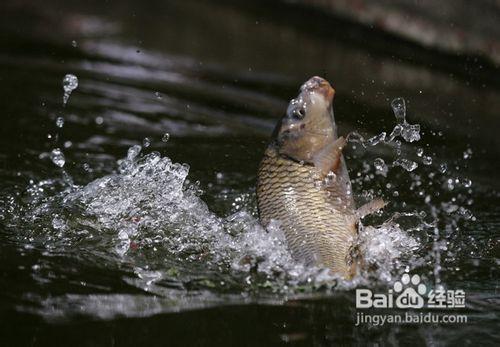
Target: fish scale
318	227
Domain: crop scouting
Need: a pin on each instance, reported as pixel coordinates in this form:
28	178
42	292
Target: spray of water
149	217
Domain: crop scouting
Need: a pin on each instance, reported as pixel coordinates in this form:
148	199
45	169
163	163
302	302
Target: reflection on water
99	236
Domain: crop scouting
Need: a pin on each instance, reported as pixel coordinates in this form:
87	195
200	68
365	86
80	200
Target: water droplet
399	108
133	152
420	151
380	166
165	137
427	160
443	167
466	182
395	132
74	43
468	154
406	164
467	214
158	95
450	184
411	132
146	142
60	122
375	140
99	120
70	83
57	157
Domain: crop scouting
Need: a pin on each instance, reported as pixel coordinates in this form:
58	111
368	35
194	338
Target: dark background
225	71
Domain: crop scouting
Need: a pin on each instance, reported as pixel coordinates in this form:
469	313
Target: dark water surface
122	248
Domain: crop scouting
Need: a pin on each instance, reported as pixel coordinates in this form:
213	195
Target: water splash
408	165
150	211
409	132
70	83
57	157
384	248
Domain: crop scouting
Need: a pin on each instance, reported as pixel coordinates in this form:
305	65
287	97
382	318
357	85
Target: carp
303	183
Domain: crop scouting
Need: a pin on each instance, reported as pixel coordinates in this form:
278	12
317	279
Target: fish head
308	124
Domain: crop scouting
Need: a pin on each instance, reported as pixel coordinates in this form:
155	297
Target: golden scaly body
318	222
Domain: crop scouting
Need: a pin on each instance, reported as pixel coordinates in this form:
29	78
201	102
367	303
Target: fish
303	184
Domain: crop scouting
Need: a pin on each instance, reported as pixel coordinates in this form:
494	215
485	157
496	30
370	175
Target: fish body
303	183
319	225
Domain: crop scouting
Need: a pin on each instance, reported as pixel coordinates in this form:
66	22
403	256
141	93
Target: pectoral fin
369	208
328	159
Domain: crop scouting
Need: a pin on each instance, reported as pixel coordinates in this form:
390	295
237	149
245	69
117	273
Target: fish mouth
319	85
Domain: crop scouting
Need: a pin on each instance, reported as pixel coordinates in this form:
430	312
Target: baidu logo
409	297
410	293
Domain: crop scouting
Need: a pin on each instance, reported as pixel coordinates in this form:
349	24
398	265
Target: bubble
57	157
420	151
158	95
99	120
68	144
70	83
60	122
74	43
146	142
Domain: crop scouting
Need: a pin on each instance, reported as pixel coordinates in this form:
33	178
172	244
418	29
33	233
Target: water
130	215
57	157
70	83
